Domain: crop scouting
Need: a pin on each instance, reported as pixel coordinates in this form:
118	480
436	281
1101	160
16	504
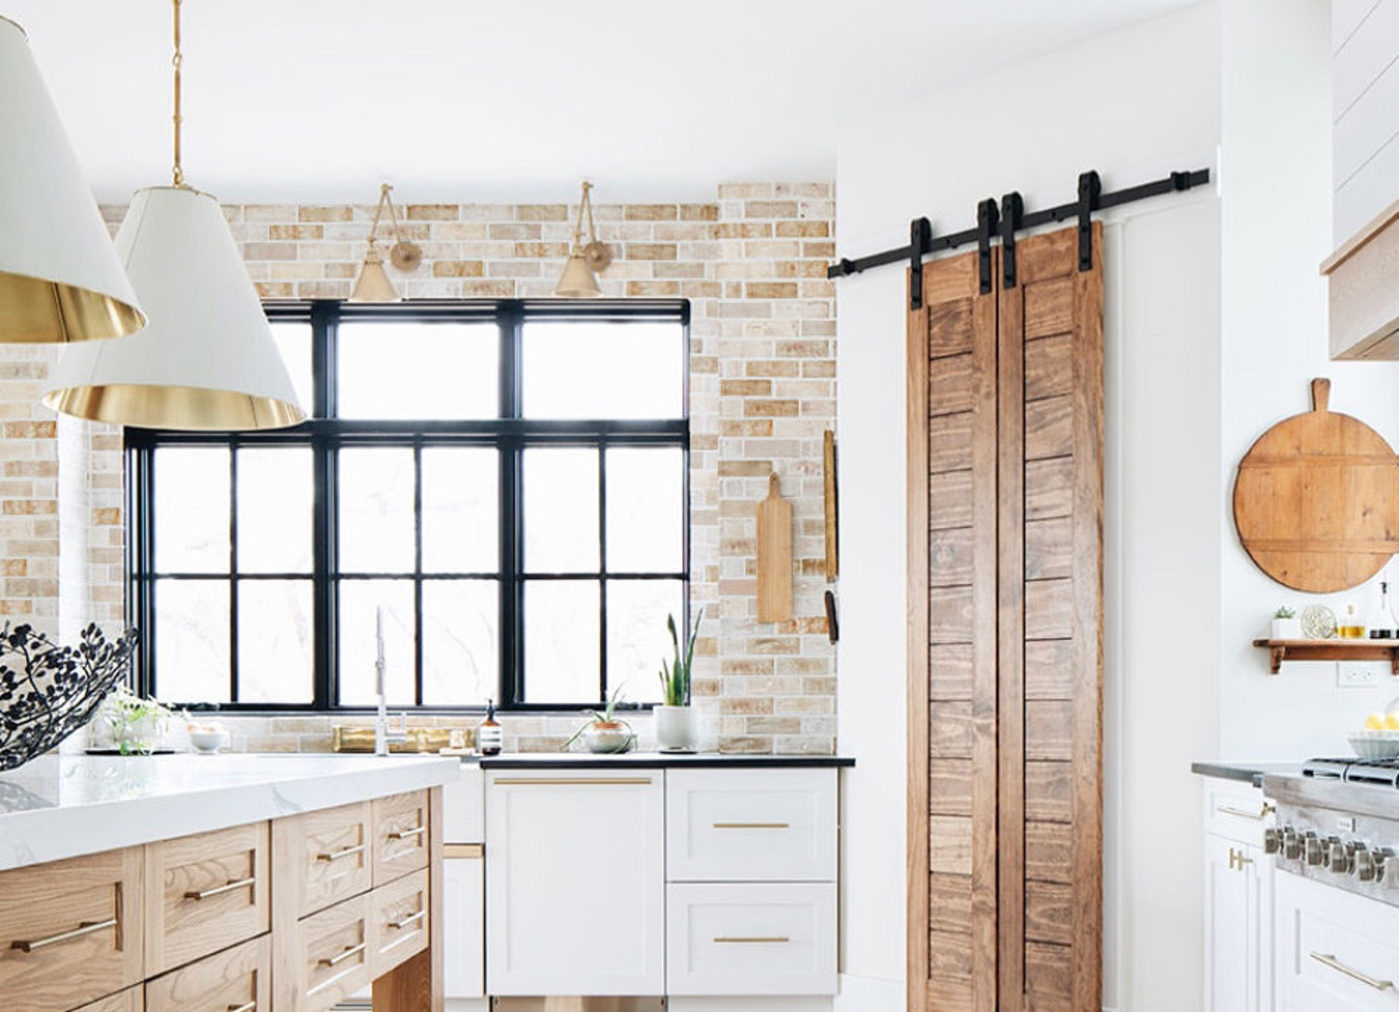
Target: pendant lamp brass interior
585	260
207	360
373	284
60	279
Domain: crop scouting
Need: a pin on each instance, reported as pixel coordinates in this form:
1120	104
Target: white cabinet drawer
1336	951
464	807
751	939
1236	811
751	825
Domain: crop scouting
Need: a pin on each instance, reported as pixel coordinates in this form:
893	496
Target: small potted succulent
1286	625
605	732
677	723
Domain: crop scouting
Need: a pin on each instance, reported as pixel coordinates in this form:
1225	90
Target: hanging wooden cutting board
774	556
1316	501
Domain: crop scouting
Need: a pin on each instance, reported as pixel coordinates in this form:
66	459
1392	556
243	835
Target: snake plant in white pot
677	723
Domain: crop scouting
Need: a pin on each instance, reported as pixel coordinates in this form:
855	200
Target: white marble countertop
62	806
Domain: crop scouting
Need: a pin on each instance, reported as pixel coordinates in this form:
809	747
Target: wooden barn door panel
1005	597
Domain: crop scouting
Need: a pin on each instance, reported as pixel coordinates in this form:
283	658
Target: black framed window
506	482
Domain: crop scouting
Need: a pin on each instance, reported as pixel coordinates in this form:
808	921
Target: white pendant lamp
373	284
59	276
207	360
585	261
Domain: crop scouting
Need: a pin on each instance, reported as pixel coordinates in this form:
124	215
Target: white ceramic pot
1287	629
677	728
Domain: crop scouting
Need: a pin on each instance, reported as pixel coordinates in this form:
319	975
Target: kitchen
693	362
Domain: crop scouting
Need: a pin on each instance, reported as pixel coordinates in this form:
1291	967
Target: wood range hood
1363	299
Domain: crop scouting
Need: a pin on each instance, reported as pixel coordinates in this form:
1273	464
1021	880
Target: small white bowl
208	742
1375	744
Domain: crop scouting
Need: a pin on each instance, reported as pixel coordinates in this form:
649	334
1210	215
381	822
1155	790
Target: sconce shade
60	279
373	284
208	360
578	280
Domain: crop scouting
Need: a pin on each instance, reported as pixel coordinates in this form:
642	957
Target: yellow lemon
1375	722
1391	722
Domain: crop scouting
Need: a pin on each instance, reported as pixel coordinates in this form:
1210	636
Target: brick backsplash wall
763	386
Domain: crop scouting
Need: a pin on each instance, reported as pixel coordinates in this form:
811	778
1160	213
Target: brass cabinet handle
336	855
227	887
1243	813
1237	860
562	781
774	940
407	834
410	919
86	928
353	950
1364	978
463	850
247	1006
751	825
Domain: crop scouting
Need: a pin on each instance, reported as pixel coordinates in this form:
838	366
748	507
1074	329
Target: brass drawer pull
336	855
407	834
353	950
1244	813
86	928
776	940
410	919
1339	967
564	781
227	887
463	850
247	1006
752	825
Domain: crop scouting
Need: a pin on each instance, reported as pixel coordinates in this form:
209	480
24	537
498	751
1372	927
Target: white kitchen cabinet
1238	901
463	922
575	882
1336	951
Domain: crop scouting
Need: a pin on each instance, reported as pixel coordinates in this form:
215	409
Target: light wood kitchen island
221	884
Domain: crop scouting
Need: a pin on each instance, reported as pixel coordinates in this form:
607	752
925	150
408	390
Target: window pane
275	499
461	651
637	639
604	370
191	509
275	641
645	509
191	648
561	641
419	370
376	510
460	502
561	503
358	601
294	342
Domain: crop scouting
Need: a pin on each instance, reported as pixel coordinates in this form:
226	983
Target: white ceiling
513	100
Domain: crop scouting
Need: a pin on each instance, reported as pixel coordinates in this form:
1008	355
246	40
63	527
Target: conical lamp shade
208	359
578	280
373	284
60	279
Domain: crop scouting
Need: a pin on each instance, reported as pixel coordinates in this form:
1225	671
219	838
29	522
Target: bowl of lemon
1380	739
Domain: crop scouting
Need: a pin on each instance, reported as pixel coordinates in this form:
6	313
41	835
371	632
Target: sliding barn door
1005	548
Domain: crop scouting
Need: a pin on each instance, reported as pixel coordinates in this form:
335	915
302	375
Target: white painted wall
1276	230
1134	105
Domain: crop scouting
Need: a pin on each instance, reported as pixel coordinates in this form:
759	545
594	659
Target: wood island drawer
203	893
751	825
130	1000
70	931
398	915
235	980
400	835
751	939
323	857
333	956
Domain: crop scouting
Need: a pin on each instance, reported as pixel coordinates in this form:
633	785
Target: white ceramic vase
677	728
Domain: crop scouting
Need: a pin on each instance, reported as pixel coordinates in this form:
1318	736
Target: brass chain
175	61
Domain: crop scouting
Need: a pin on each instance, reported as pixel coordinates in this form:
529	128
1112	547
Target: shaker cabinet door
575	882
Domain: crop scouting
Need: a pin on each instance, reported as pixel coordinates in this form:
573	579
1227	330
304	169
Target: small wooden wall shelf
1331	650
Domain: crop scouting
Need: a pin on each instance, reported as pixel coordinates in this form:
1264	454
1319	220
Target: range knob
1338	856
1291	844
1387	871
1272	840
1313	849
1364	864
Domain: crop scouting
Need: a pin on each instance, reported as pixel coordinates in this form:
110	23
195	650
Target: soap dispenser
490	735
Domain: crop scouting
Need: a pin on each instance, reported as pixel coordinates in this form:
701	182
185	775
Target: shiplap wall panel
1365	111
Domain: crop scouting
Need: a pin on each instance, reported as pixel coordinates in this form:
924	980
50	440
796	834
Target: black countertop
658	760
1243	770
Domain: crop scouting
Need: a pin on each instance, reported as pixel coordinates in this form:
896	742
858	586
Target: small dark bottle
489	734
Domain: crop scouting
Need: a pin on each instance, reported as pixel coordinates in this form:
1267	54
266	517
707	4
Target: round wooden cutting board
1316	501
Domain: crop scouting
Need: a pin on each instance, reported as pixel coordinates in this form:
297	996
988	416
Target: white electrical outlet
1359	675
